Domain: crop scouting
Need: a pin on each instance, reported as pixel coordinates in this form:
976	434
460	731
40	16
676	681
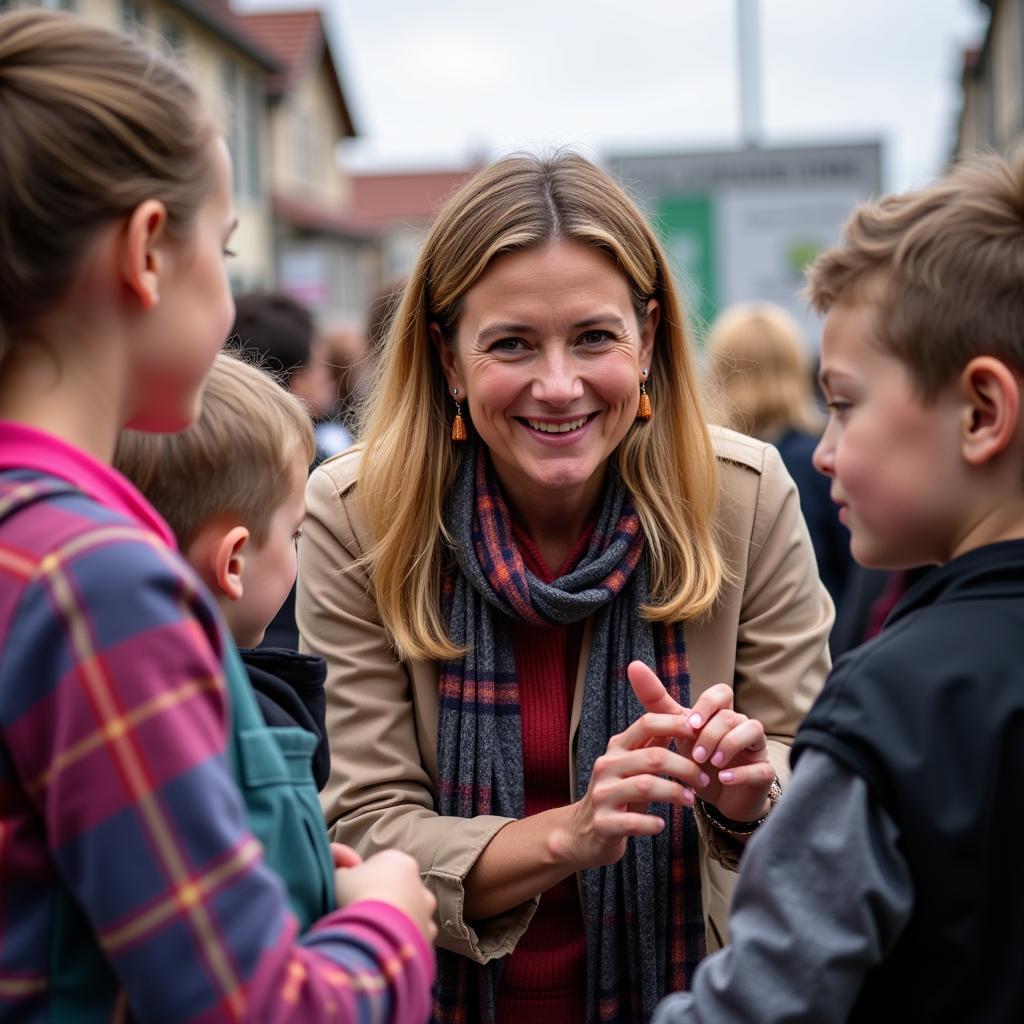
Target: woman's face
548	356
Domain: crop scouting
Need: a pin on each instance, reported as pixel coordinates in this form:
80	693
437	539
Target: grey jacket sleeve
823	894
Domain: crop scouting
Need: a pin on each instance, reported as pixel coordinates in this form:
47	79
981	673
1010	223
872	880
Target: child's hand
732	751
344	856
729	747
391	877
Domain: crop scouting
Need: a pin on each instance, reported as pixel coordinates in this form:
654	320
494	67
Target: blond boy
232	488
887	885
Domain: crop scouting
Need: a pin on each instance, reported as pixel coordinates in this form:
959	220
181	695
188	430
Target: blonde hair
946	264
239	457
760	371
93	123
408	463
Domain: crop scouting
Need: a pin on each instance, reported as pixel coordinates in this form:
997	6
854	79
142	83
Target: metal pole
750	71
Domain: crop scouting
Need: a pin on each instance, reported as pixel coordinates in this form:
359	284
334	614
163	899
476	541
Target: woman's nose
557	381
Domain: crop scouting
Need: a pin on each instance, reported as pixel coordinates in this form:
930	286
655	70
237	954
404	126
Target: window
172	33
302	145
232	117
243	94
133	15
50	5
253	134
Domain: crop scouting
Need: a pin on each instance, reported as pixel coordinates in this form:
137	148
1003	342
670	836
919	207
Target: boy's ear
992	404
140	259
229	562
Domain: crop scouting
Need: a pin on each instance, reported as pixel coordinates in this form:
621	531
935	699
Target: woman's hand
389	876
728	748
625	779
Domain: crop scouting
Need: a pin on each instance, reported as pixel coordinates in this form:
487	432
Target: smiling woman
529	581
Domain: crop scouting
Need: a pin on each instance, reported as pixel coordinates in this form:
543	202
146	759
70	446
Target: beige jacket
767	636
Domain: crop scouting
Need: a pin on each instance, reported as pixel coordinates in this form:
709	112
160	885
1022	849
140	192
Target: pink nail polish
718	759
704	778
695	721
699	754
725	776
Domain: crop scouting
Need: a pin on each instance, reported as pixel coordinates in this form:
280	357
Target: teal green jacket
272	767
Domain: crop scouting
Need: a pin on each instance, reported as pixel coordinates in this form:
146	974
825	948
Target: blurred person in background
347	358
352	355
760	377
383	306
539	540
279	332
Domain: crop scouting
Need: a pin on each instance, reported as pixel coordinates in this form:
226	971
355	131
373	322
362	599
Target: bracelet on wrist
741	829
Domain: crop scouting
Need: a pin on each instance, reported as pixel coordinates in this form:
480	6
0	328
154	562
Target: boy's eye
230	253
296	535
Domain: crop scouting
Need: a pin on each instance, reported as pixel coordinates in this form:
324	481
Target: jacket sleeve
824	895
380	793
122	754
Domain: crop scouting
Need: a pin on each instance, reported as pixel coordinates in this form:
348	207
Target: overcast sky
432	82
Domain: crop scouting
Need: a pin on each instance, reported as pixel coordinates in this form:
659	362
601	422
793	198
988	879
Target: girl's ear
991	395
141	259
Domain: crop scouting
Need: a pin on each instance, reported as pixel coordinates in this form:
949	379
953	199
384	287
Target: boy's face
895	463
268	570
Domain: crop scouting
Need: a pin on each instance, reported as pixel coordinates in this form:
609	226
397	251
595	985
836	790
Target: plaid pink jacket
129	884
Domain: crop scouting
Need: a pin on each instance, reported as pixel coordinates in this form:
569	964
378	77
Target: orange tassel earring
458	424
643	410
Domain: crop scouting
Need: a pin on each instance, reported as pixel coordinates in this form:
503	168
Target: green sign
685	224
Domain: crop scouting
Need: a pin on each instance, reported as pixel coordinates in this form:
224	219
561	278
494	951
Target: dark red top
543	981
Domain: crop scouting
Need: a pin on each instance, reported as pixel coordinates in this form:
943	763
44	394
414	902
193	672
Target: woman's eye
507	345
596	337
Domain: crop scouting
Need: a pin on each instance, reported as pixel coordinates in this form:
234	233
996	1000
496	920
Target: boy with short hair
232	489
886	885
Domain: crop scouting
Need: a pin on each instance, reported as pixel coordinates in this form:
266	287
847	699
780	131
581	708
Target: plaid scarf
643	915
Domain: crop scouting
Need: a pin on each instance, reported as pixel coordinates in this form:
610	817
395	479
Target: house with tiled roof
278	85
324	256
305	226
992	110
399	206
230	67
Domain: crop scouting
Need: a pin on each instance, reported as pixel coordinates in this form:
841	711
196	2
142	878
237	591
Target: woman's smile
557	431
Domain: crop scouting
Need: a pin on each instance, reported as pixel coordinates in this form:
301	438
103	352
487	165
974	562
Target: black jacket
931	714
289	689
